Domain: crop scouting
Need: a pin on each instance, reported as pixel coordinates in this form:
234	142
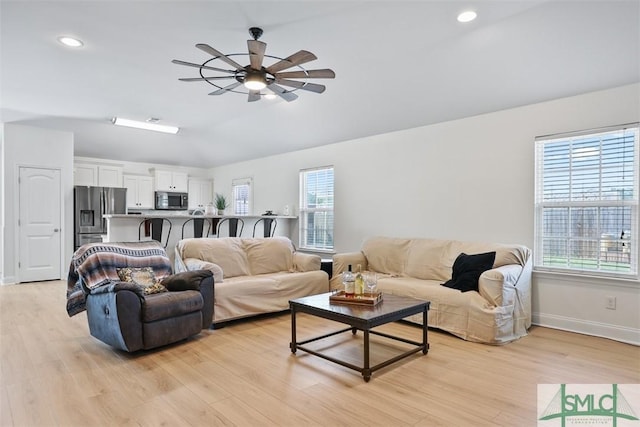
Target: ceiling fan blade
254	95
204	67
256	53
226	88
298	58
200	79
312	87
282	93
213	52
312	74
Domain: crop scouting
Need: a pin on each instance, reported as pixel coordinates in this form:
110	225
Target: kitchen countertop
169	215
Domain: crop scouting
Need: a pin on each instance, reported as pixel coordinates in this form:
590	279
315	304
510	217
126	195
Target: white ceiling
398	64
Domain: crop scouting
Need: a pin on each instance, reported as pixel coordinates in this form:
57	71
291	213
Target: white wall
469	179
2	171
34	147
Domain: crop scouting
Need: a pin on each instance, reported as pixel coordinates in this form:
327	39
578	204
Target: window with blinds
316	209
242	195
586	202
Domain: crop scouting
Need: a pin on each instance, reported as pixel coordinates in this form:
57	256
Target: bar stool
198	227
233	226
268	226
153	227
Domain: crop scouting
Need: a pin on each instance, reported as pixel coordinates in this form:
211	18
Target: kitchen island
124	227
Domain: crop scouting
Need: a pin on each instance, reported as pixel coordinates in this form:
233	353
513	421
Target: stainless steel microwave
166	200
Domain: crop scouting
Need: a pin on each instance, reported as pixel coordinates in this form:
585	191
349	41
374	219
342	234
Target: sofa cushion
247	296
270	255
467	270
427	259
227	252
386	255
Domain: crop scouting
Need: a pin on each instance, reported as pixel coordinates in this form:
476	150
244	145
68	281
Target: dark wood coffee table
363	318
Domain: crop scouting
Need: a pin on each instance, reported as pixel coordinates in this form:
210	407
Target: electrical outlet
611	303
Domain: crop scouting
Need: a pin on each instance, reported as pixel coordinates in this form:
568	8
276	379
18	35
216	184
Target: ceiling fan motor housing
255	32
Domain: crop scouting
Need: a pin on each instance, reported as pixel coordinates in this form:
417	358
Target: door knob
55	230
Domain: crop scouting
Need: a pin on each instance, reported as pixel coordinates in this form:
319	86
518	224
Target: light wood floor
55	374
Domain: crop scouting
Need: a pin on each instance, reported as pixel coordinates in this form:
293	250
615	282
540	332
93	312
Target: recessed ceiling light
467	16
145	125
70	41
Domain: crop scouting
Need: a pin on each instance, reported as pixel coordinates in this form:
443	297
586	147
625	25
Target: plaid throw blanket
95	265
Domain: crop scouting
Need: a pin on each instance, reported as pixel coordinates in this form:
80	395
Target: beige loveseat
498	312
252	276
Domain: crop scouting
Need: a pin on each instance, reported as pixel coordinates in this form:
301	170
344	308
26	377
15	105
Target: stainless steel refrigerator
89	204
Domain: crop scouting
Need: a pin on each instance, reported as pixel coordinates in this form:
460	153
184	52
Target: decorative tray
339	297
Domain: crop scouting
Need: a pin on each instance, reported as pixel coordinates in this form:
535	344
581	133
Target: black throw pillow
467	270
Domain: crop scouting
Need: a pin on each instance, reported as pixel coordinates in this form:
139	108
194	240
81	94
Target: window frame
304	211
235	184
542	262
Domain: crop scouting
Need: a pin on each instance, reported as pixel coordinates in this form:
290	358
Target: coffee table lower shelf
363	319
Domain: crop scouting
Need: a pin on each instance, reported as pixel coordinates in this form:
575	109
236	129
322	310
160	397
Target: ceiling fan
257	79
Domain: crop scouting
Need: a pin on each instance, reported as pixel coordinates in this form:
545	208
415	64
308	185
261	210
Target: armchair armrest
185	281
306	262
498	285
341	263
197	280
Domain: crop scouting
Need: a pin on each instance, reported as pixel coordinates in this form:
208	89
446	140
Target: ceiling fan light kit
255	77
254	81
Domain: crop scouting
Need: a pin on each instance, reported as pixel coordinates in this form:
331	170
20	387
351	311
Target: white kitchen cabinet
171	181
97	175
85	174
200	193
110	176
139	191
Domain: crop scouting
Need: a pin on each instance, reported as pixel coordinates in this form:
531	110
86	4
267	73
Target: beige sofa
498	312
252	276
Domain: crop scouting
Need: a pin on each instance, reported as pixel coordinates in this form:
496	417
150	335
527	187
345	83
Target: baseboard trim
586	327
7	280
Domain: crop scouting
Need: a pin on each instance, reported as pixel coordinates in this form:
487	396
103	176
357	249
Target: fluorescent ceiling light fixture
144	125
70	41
467	16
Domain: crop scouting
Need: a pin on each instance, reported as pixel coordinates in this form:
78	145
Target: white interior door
39	224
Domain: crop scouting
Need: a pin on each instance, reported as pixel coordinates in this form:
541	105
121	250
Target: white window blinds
586	202
242	196
316	208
